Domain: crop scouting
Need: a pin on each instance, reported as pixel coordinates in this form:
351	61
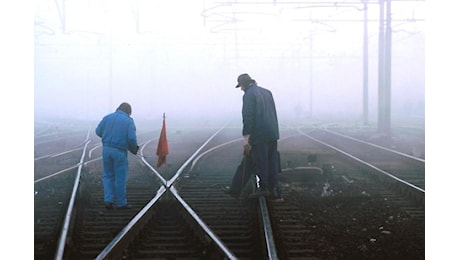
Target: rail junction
180	212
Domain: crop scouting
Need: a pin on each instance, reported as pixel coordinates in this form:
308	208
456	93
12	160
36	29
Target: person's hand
246	145
247	149
246	140
135	150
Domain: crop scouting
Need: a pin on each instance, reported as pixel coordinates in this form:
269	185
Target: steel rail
269	238
203	225
57	173
377	146
212	149
66	169
69	151
157	174
55	155
93	160
364	162
179	172
301	167
63	237
90	153
113	248
220	146
268	234
42	157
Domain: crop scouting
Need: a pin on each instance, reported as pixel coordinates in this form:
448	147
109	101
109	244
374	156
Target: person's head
244	80
125	107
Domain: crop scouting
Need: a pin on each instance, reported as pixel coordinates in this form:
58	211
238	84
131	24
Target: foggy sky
183	57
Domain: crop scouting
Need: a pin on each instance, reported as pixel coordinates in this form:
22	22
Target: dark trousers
248	168
266	159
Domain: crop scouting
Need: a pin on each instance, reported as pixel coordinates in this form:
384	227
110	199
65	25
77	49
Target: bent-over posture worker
261	134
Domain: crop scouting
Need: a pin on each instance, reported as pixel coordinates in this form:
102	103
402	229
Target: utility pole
311	75
384	86
365	66
388	37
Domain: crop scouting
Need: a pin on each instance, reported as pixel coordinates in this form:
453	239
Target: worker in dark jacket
261	134
118	133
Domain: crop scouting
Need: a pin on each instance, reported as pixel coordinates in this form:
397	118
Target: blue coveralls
118	133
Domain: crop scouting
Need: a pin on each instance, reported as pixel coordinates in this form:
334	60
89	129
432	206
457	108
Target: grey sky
183	57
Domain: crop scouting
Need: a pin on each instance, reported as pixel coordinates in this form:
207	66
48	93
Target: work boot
275	194
109	205
127	206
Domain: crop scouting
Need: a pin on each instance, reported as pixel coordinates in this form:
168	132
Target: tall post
365	66
311	74
381	70
387	128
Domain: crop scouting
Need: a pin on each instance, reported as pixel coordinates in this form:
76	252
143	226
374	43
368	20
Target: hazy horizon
182	58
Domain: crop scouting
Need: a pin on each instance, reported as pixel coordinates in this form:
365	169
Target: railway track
403	172
183	213
53	192
50	203
321	181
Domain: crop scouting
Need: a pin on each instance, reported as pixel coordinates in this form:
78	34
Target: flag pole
162	148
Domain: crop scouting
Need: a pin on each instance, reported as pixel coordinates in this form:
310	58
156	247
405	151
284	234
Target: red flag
162	149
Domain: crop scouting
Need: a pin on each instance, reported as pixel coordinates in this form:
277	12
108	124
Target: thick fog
183	57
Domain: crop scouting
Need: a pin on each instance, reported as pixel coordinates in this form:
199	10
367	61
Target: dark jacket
118	130
259	115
